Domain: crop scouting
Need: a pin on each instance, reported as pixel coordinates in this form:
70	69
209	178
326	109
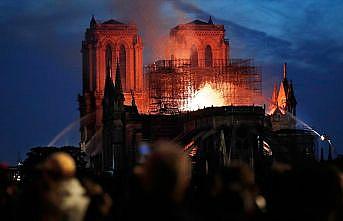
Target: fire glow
206	96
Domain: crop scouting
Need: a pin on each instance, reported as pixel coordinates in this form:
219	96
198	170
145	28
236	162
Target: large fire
206	96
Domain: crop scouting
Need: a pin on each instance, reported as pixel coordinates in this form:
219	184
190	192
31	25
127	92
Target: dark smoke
154	18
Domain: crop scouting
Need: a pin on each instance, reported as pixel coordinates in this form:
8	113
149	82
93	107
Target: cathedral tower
105	43
202	42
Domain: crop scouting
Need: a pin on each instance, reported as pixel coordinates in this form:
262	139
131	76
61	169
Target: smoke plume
153	18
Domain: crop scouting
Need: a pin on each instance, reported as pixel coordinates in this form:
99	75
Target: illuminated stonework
107	44
203	43
168	100
197	54
197	63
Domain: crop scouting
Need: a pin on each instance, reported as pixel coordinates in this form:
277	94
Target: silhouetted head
236	177
166	172
59	164
317	192
307	192
234	192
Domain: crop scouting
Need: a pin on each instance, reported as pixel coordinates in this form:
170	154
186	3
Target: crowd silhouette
161	188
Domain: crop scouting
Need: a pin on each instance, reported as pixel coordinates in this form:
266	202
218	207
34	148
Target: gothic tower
202	42
104	43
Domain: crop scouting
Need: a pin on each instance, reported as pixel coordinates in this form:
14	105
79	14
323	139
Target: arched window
122	65
108	58
194	56
208	56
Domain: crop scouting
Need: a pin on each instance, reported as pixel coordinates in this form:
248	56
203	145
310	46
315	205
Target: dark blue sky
41	63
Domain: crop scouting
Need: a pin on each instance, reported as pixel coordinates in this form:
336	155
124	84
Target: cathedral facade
121	107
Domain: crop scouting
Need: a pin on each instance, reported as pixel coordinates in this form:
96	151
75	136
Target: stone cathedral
123	105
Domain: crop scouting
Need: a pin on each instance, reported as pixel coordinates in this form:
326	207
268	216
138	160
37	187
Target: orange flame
206	96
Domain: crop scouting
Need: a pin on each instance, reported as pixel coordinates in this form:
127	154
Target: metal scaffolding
170	84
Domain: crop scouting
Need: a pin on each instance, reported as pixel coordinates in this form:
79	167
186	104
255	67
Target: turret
113	107
109	90
119	95
133	102
109	93
285	82
210	22
92	23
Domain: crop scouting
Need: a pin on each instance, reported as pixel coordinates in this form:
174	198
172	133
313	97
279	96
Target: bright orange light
206	96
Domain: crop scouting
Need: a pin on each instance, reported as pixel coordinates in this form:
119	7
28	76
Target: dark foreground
162	188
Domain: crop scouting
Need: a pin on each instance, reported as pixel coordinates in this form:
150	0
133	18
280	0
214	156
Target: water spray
71	126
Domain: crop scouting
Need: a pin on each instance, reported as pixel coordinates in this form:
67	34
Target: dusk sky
40	58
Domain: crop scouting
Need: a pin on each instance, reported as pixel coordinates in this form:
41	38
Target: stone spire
285	80
133	102
284	90
119	95
109	90
92	23
112	139
285	104
210	22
